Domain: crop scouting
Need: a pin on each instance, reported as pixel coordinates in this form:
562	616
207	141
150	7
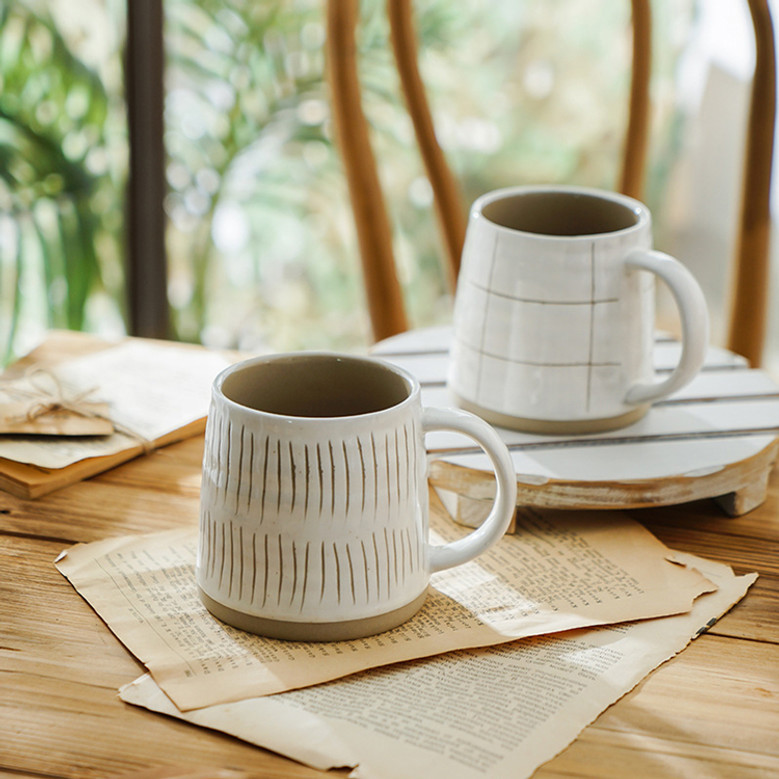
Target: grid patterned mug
314	498
555	311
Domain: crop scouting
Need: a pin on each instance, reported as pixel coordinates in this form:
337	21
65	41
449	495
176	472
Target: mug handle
694	319
494	526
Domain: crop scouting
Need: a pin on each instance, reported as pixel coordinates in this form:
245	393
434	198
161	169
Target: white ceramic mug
314	500
555	311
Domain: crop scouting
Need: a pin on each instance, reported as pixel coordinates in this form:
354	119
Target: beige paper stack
512	656
153	393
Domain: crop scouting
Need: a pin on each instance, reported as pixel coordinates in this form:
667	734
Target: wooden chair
384	295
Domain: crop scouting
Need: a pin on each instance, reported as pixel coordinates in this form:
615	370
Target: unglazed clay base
554	427
313	631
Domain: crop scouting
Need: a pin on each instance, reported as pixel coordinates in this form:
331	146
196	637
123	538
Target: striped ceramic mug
314	501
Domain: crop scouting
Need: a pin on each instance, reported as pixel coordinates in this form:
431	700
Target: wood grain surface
711	711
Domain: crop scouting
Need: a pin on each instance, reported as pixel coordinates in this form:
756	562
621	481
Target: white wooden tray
716	438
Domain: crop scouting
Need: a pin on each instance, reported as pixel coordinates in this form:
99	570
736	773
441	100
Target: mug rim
641	210
412	384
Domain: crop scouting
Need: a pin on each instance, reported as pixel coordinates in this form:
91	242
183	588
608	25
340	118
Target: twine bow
50	399
47	395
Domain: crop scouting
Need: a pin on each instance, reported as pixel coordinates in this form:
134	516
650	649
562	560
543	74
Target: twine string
47	395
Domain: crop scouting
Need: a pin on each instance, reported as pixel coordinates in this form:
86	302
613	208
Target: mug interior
560	213
316	385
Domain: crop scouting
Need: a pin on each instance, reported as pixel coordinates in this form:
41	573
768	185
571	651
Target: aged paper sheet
150	391
497	713
559	571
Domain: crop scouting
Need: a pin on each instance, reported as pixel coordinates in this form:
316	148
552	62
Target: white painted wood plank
708	385
721	389
711	385
428	339
626	462
666	357
719	419
696	419
417	346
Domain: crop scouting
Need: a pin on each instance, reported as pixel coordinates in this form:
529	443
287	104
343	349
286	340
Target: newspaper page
497	712
150	390
561	570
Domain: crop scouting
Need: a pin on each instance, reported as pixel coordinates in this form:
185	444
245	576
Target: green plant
60	175
261	247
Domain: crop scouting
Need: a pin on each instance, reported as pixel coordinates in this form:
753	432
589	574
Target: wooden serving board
716	438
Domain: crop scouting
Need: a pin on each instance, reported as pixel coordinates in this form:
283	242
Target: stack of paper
153	393
511	657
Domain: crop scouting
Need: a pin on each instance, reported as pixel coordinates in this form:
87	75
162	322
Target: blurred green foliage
60	176
261	245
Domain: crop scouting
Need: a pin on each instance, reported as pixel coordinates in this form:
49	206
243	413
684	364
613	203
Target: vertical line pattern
308	480
207	541
592	326
278	475
265	572
214	542
337	572
294	573
395	555
483	337
293	474
351	572
420	545
348	481
323	570
375	476
217	444
249	494
265	477
222	562
402	554
232	552
239	486
229	446
415	435
389	562
254	566
378	567
240	562
362	474
410	552
281	569
232	563
365	572
388	491
332	479
321	478
305	577
410	474
397	469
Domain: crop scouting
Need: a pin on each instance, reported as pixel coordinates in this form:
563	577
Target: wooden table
712	711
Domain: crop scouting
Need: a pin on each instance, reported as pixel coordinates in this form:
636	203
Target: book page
150	390
561	570
525	701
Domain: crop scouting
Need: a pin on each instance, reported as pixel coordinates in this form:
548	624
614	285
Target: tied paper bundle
53	430
41	404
